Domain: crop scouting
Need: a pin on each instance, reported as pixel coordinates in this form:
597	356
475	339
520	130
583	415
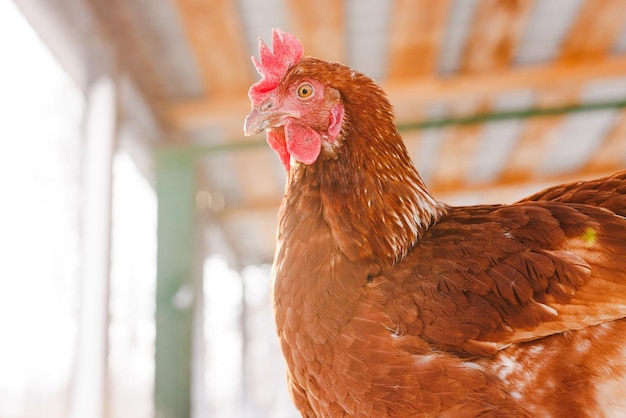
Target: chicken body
404	339
390	303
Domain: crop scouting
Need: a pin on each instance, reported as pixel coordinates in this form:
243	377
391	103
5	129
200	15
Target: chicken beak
256	122
266	116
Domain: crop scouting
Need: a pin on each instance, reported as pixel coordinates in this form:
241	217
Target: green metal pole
176	286
513	114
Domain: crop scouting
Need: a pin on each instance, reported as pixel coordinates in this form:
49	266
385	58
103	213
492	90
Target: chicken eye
305	90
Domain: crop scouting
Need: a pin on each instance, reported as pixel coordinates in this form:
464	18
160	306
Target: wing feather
487	277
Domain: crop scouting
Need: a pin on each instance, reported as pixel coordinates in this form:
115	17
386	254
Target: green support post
177	268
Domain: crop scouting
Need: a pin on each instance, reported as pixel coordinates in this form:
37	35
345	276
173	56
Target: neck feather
372	198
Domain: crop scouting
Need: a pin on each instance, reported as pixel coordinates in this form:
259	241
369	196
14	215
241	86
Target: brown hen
389	303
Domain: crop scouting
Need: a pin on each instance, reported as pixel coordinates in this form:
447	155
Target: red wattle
303	143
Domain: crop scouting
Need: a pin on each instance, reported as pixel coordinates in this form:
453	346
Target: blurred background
137	224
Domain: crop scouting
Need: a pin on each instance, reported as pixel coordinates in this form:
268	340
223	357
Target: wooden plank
611	152
320	27
417	28
496	30
593	34
215	36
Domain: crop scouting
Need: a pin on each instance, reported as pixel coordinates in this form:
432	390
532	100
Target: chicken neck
369	185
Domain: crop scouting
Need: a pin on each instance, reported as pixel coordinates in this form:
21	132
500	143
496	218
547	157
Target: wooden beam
409	95
320	27
593	34
417	28
495	34
215	36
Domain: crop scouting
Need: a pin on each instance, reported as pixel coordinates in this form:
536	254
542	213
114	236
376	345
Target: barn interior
139	223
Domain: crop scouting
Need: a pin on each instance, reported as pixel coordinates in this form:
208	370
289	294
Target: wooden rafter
320	26
497	28
593	33
417	28
216	38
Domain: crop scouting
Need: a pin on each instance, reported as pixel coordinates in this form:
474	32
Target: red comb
274	65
